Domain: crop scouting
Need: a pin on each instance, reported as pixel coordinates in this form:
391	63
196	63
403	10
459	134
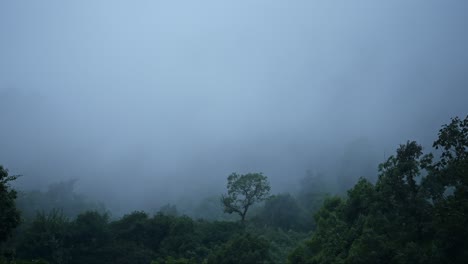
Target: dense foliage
416	212
9	214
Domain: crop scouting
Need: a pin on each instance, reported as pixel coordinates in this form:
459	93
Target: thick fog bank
149	102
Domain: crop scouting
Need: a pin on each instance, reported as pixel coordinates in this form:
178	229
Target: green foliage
407	216
28	262
162	234
374	222
244	191
215	233
331	232
243	248
135	238
45	238
9	214
88	235
181	240
447	188
172	260
414	213
133	227
281	242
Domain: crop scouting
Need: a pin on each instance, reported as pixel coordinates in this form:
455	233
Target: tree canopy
9	214
244	191
415	213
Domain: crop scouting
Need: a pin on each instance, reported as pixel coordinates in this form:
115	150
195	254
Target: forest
225	132
413	211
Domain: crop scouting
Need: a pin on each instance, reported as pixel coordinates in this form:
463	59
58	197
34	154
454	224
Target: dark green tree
374	224
133	227
415	213
89	235
446	186
46	238
243	248
244	191
9	214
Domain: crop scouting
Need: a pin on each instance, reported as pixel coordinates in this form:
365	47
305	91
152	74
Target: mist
148	102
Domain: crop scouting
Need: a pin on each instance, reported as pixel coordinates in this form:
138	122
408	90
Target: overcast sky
166	97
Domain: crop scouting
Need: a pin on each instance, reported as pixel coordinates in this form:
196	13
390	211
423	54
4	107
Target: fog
148	102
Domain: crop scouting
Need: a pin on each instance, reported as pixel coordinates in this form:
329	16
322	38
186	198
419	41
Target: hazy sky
167	97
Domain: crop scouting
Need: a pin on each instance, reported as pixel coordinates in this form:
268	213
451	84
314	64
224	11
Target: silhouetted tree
9	214
244	191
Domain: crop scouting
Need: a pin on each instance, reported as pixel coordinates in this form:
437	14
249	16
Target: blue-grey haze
153	100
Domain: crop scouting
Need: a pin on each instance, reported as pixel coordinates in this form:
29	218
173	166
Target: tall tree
9	214
446	185
415	213
244	191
